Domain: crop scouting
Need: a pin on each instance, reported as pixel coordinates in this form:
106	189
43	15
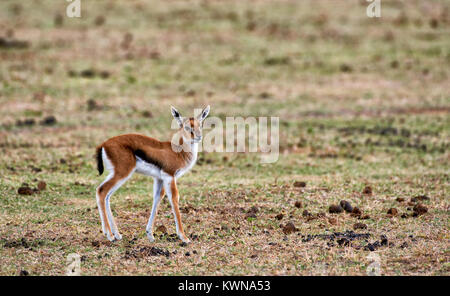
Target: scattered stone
58	20
87	73
92	105
400	199
364	217
96	244
183	244
25	190
420	198
162	229
404	216
370	247
279	216
253	209
25	122
359	226
104	74
306	213
434	23
392	212
13	44
99	20
343	242
298	204
187	254
147	114
384	240
24	273
289	228
367	190
404	245
41	185
299	184
346	68
145	252
356	212
335	209
420	209
346	206
49	120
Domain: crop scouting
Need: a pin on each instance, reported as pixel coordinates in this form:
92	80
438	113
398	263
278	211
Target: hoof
185	240
150	237
118	236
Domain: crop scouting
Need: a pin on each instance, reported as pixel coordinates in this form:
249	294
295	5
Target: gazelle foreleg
158	193
170	186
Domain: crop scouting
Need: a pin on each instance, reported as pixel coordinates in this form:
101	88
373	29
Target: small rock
299	184
289	228
279	216
96	244
162	229
49	120
384	240
332	221
359	226
370	247
335	209
343	242
346	68
306	213
298	204
187	254
420	198
346	206
147	114
253	209
367	190
24	273
392	212
41	185
420	209
25	190
400	199
356	212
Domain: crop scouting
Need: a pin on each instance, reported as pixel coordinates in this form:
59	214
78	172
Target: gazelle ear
176	115
204	114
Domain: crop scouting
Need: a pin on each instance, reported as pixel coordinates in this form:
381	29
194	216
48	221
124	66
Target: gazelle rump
164	161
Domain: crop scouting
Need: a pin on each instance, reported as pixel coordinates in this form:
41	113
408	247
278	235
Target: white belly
145	168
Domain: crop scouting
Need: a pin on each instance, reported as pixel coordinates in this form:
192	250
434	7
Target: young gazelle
164	161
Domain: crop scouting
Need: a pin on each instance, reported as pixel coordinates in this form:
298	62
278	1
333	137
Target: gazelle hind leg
158	194
110	216
172	193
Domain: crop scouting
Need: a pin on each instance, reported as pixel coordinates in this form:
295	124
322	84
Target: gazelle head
190	128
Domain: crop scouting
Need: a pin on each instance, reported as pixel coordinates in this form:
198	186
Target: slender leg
103	198
172	192
100	207
158	193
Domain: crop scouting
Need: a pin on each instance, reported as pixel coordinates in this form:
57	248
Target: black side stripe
142	155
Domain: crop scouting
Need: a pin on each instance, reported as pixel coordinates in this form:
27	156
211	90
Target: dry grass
362	102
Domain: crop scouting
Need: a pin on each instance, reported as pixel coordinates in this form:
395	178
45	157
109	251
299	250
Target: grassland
362	103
